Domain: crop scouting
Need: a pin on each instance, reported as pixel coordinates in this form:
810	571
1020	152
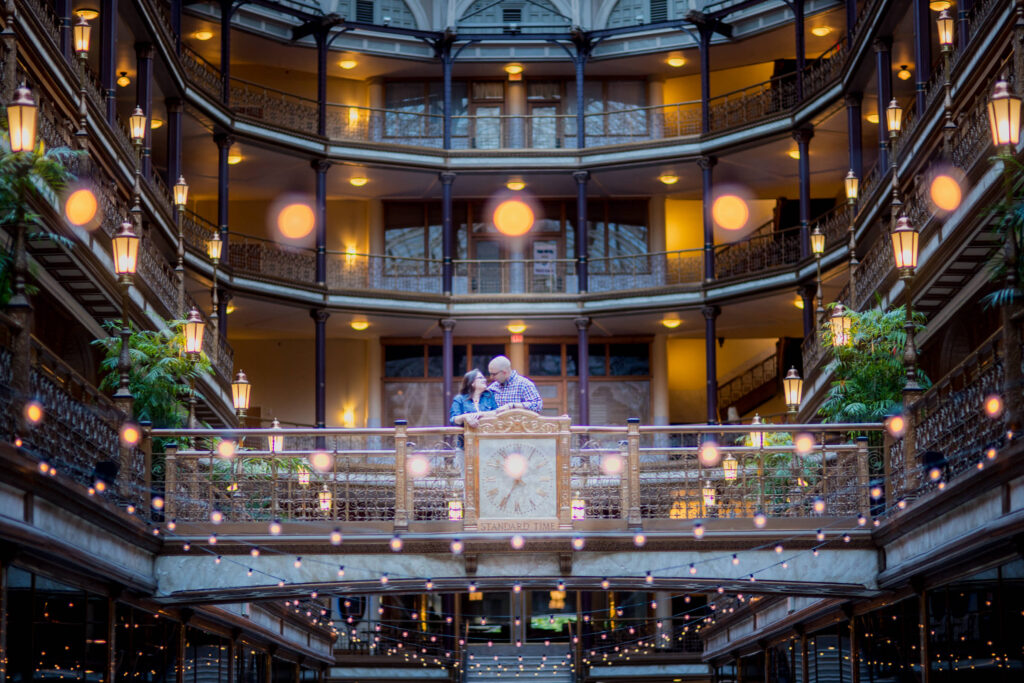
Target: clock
517	479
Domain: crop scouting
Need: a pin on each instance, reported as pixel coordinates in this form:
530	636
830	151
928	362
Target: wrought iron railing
202	73
753	377
348	271
645	271
525	276
757	254
876	266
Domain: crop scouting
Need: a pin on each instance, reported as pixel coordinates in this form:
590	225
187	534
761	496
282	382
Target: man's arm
531	397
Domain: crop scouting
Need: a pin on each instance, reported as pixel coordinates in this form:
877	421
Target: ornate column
224	297
174	137
963	23
855	133
176	23
583	368
581	178
108	56
851	20
923	28
803	138
226	10
224	142
707	165
321	81
447	232
705	79
807	293
711	314
883	75
62	8
447	360
144	99
321	166
320	317
801	46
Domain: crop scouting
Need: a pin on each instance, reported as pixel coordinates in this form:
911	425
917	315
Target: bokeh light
896	425
994	405
612	464
709	455
226	448
803	443
730	212
946	192
130	434
296	220
513	218
515	465
418	466
33	412
80	207
320	461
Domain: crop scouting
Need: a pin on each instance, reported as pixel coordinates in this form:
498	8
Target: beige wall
686	377
684	223
282	375
347	91
687	88
347	221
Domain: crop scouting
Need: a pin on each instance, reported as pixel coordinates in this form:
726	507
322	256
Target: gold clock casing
535	499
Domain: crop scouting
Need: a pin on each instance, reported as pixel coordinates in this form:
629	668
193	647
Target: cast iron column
711	360
581	178
108	56
855	133
803	138
581	101
963	24
883	74
923	28
224	297
807	293
707	165
226	11
447	232
144	99
224	142
320	317
321	82
851	20
447	359
801	47
583	368
321	167
445	54
174	134
176	24
705	80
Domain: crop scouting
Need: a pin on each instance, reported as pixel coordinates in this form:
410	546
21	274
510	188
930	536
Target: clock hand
504	501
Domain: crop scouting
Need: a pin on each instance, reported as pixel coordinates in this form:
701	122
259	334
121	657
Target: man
510	389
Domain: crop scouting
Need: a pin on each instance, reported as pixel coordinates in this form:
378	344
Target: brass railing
645	271
519	276
625	473
753	377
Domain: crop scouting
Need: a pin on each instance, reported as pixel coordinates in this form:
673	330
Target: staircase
752	387
533	662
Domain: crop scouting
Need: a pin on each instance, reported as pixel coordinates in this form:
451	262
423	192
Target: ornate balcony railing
520	276
205	75
215	346
646	271
273	106
757	254
384	273
406	475
752	378
878	264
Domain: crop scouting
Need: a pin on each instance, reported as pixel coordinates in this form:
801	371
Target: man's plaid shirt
517	389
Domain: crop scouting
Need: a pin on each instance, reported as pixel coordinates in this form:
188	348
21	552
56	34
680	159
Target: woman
473	401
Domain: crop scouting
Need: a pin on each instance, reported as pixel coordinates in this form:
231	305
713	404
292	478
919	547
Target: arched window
390	12
636	12
513	16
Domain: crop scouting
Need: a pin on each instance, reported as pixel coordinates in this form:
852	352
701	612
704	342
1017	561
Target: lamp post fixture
137	130
214	245
894	124
818	248
82	33
904	245
945	23
194	330
852	185
793	388
840	323
126	256
180	200
1004	110
240	391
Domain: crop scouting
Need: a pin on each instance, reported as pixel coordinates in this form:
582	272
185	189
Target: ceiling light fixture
821	31
514	69
904	73
515	184
203	34
358	181
87	13
794	153
675	61
123	80
872	118
516	327
668	178
234	157
359	325
348	64
939	5
156	123
671	323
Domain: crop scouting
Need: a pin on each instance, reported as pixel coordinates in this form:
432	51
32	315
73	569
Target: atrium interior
759	259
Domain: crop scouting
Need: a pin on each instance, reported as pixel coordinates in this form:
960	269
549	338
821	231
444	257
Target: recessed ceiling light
156	123
514	69
347	64
872	118
516	327
203	34
123	80
87	13
904	73
515	184
358	181
359	325
794	153
234	157
668	178
671	323
675	62
821	31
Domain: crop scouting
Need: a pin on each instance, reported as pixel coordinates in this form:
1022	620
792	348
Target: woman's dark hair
467	381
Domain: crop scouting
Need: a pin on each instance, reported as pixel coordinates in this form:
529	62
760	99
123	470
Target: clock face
517	478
